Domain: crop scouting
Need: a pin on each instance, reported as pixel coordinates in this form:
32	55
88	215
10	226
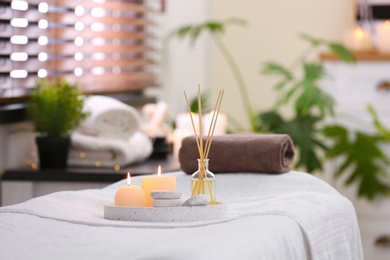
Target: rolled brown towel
261	153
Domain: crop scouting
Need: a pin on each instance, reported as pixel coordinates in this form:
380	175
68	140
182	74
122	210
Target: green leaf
273	68
313	71
313	41
193	32
362	160
382	131
204	102
343	53
55	107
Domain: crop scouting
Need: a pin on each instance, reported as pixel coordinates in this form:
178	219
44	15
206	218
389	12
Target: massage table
293	215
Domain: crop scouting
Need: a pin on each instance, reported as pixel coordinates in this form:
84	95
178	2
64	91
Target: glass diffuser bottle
203	181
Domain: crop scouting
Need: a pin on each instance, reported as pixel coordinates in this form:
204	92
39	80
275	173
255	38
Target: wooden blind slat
105	48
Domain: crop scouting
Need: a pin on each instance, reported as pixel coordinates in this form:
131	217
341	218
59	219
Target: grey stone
198	200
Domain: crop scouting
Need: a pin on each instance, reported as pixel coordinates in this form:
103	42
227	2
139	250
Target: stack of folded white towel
110	136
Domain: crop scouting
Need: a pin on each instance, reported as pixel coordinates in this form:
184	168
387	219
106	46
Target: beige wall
271	34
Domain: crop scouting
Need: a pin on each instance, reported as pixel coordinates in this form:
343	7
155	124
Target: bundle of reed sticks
203	147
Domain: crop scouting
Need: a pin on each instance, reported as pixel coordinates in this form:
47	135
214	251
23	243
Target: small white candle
183	121
358	39
178	136
383	32
220	126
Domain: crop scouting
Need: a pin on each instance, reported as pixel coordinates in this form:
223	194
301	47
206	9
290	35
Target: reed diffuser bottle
203	181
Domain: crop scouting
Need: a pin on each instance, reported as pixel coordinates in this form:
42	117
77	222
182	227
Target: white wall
271	34
183	67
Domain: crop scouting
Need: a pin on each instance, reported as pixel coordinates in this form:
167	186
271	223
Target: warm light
82	155
98	41
19	22
98	12
18	74
78	56
78	41
359	33
19	39
43	24
159	170
98	56
34	166
42	73
97	27
98	164
43	40
79	26
97	71
78	72
128	179
19	5
19	56
79	10
43	7
117	167
42	56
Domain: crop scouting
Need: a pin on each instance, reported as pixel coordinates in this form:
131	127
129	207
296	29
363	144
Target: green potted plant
55	109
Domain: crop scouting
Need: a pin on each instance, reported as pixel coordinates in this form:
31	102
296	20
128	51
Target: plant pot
53	152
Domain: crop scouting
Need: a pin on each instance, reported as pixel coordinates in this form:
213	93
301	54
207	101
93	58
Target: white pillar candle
383	33
221	124
178	136
183	121
358	39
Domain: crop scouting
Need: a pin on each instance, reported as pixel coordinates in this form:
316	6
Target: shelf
71	174
360	56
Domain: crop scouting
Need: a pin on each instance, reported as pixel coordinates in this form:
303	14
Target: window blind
103	45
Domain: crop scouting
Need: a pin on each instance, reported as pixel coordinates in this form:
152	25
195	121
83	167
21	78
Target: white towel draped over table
286	216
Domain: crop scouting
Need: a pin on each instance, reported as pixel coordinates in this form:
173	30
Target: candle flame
359	33
159	170
128	179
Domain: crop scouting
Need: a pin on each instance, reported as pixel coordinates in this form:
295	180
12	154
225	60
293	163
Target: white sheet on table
269	217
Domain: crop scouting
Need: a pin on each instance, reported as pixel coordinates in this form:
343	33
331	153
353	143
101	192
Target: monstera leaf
361	159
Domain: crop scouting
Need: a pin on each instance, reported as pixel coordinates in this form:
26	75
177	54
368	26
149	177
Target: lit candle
150	183
130	195
220	126
358	39
183	121
383	32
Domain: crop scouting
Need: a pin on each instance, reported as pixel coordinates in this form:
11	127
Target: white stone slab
171	214
167	202
165	194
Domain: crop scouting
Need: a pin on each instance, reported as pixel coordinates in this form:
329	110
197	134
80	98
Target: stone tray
168	214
